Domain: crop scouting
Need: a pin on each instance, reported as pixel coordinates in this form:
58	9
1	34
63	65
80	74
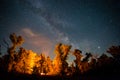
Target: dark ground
13	76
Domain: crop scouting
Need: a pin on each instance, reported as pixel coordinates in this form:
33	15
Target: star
98	47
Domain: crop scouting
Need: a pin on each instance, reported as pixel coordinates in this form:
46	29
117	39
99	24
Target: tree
0	50
114	51
60	63
16	41
78	54
82	65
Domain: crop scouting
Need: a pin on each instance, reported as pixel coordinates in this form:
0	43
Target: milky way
89	25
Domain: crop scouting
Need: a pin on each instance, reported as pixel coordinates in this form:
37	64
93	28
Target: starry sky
89	25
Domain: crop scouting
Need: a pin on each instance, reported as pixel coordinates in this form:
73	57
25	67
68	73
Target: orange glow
29	62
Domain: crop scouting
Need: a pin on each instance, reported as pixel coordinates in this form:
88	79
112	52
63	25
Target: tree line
19	60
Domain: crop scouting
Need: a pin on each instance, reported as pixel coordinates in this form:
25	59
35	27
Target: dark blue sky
90	25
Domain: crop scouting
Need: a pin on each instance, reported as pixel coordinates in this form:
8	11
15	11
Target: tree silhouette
0	50
114	51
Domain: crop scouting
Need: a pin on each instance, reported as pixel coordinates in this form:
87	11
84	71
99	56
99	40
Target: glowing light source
98	47
42	73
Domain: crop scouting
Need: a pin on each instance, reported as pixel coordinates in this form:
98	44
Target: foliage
28	62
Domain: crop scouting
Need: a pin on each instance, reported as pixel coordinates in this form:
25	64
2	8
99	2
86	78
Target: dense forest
20	63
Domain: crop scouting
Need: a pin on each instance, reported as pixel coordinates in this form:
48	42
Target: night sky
89	25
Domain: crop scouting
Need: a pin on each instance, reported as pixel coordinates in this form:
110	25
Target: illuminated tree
42	65
49	67
85	64
59	62
24	62
78	54
82	66
16	41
